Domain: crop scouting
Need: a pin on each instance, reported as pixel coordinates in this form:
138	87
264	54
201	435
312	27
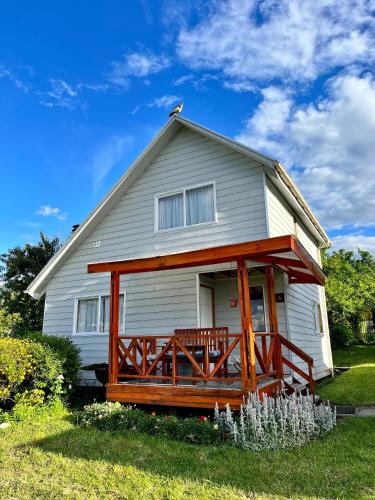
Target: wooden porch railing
162	358
271	359
266	354
301	354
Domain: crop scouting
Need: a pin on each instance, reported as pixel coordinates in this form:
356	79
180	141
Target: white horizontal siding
300	298
157	303
280	216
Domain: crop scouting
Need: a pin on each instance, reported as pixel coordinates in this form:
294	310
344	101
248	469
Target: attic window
188	207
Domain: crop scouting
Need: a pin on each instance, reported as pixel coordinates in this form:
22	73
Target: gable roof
274	169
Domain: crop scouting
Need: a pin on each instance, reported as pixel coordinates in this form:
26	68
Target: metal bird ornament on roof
177	110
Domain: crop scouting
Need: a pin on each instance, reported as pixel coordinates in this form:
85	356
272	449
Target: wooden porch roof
284	252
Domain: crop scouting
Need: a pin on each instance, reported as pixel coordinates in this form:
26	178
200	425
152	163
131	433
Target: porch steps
296	385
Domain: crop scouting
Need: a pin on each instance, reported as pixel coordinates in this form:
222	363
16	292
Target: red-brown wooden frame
300	269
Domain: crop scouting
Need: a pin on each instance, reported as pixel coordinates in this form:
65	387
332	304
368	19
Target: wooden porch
202	366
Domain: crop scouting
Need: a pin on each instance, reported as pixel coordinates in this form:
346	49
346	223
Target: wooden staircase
276	360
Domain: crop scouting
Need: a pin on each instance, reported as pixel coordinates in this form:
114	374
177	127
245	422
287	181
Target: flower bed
262	424
116	417
275	423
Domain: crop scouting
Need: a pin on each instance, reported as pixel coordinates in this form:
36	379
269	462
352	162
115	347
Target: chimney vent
74	227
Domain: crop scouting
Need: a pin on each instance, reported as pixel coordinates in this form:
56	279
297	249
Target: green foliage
115	417
19	267
350	287
30	373
8	322
16	365
26	409
356	386
341	335
65	350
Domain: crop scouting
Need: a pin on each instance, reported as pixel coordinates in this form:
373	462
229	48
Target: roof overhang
275	171
284	252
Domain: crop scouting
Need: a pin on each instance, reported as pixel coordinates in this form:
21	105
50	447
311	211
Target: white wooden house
208	237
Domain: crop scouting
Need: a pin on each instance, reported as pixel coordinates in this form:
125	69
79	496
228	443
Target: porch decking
222	367
200	395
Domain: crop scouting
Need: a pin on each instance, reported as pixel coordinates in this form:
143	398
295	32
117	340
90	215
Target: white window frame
183	192
318	318
99	297
265	304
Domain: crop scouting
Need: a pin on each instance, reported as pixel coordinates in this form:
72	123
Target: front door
206	307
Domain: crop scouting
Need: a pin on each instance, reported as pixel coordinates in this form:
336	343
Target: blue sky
86	85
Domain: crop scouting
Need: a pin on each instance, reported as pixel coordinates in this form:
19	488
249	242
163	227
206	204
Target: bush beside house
35	372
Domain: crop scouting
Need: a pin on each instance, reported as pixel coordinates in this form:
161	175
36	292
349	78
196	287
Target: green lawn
356	386
55	459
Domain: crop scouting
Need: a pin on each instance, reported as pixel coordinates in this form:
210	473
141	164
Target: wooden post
114	314
248	359
243	344
249	330
272	315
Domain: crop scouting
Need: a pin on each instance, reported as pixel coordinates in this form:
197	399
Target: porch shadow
318	470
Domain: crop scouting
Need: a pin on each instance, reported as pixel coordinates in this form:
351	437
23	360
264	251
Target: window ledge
184	228
90	334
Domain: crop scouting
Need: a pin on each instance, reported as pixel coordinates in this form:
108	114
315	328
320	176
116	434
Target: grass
356	386
55	459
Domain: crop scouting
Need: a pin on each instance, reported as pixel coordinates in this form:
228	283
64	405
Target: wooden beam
202	257
282	261
306	258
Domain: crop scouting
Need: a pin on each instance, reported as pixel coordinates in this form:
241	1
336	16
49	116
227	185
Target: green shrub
115	417
341	336
66	351
30	373
23	410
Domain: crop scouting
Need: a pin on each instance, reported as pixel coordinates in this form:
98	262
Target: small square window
93	315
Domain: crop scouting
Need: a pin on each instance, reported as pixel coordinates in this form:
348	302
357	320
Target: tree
350	286
19	266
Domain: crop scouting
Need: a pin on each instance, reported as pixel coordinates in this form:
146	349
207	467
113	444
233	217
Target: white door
205	307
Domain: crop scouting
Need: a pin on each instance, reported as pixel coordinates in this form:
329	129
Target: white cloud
9	75
240	86
165	101
354	241
329	146
294	40
138	65
199	83
108	156
181	80
61	94
48	211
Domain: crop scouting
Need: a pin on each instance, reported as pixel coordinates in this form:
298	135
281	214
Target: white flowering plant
271	423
